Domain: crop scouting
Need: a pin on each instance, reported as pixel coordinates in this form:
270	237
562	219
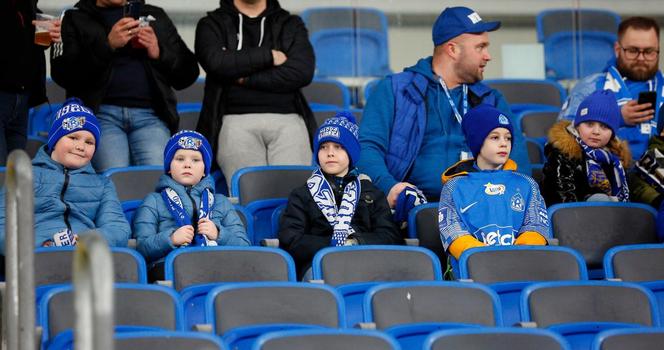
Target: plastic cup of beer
43	23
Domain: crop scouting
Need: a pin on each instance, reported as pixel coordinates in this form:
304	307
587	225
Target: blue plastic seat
530	94
136	181
327	94
410	311
423	225
577	41
592	228
496	338
324	339
241	312
260	190
138	307
348	41
578	310
509	269
354	270
40	119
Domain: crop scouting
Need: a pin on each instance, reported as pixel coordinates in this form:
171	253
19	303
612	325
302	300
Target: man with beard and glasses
634	70
411	126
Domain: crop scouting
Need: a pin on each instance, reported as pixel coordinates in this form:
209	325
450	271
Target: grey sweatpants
262	139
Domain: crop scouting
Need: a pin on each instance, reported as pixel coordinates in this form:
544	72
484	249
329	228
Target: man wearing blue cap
411	126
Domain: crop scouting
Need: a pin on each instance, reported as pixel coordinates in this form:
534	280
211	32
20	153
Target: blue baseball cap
454	21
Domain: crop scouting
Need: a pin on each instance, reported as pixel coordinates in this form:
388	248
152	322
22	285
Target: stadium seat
535	152
592	228
629	338
327	93
536	124
135	182
353	270
262	189
40	119
577	42
348	41
54	92
495	339
168	340
197	270
530	94
423	225
34	144
326	339
241	312
192	95
409	311
640	263
509	269
138	307
578	310
188	119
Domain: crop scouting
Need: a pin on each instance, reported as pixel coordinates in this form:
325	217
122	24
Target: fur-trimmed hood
560	138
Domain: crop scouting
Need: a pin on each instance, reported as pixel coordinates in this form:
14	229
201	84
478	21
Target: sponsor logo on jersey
494	189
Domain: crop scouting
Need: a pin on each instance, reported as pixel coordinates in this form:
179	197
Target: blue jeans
129	136
13	123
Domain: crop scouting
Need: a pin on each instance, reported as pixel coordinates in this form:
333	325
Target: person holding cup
123	59
22	71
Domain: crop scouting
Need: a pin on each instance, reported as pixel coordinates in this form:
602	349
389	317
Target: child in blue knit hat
184	209
336	206
484	201
585	161
70	197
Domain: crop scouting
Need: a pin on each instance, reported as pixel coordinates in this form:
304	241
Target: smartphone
648	97
133	9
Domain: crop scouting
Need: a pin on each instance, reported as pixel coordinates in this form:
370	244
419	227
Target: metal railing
18	326
93	294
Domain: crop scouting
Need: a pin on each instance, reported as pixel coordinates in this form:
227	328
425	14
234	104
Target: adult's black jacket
22	63
216	49
303	230
83	63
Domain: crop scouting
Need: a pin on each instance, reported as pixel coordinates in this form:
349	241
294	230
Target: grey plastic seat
192	266
637	339
530	91
635	263
188	120
536	124
496	339
402	303
326	340
592	228
344	265
423	225
193	93
164	340
135	182
54	266
522	263
567	302
268	182
136	305
327	92
261	303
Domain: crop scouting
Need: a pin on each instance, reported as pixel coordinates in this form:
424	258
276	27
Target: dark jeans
13	123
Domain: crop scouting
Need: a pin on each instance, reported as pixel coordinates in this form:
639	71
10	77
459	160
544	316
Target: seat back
399	303
252	303
327	93
135	182
53	265
54	92
199	265
554	303
530	92
592	228
629	338
423	225
135	305
188	120
343	265
550	22
33	145
635	263
522	263
326	339
322	114
167	340
495	339
536	124
268	182
535	151
192	94
357	37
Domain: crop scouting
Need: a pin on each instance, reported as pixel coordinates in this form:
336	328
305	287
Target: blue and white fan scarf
322	193
179	214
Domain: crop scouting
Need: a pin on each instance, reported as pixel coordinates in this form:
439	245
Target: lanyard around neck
464	103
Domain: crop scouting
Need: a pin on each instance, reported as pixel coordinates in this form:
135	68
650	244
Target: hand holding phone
648	97
132	9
